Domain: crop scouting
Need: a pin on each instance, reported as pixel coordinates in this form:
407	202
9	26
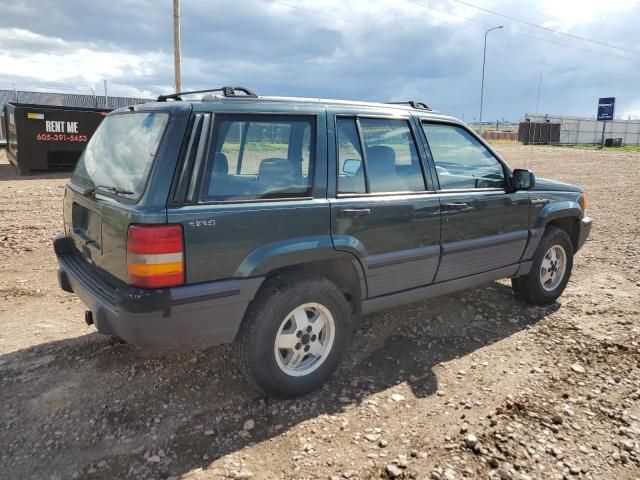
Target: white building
588	131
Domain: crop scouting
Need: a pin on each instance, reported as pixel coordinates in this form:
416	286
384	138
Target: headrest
220	164
277	171
381	160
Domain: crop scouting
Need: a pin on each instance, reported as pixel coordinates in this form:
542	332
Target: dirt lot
472	385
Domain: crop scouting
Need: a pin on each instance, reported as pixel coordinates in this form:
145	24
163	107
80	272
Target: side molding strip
478	243
402	270
416	294
402	256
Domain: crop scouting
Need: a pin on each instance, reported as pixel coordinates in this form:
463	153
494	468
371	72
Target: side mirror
523	179
351	166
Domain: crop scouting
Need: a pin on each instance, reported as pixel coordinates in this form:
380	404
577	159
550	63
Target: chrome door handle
453	208
353	212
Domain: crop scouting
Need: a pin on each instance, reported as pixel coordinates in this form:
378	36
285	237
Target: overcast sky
380	50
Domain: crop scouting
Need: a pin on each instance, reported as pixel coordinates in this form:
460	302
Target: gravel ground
472	385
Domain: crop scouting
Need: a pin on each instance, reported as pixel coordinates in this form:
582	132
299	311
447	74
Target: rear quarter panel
243	240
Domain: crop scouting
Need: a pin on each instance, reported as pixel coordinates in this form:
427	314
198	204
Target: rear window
121	152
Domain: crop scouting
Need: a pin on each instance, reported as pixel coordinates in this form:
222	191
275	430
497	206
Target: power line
571	35
469	19
515	32
315	12
620	57
556	66
444	12
277	2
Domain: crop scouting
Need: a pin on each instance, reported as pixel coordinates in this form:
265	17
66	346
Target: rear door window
393	164
390	161
121	152
259	157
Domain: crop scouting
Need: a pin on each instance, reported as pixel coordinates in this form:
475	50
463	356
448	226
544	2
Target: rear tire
550	272
294	335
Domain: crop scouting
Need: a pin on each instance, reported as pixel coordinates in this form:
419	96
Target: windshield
121	152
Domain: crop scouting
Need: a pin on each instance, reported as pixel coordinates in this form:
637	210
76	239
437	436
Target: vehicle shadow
130	413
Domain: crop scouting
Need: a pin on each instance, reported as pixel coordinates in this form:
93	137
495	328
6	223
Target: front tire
550	272
293	335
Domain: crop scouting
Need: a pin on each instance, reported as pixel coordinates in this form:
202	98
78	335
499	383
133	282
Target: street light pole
176	45
484	58
539	85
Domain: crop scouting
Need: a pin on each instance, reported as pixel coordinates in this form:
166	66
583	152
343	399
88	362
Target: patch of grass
502	142
624	148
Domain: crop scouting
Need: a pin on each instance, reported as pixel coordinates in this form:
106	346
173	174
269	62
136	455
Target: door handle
353	212
455	206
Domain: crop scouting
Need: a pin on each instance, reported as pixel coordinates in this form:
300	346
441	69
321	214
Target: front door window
461	161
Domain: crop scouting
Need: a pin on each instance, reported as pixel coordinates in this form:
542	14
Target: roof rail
413	104
226	91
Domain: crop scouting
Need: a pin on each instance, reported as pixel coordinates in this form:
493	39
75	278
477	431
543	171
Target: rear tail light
155	256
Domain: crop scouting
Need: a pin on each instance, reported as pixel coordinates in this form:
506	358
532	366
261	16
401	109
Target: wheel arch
563	215
314	255
341	270
570	225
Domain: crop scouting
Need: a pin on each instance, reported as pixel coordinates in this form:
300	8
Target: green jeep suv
272	222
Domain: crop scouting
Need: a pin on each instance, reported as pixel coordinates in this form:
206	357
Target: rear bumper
194	315
583	231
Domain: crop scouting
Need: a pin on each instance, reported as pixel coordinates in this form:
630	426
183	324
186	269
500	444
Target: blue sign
605	108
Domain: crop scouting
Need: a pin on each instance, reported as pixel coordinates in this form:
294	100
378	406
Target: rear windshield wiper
89	192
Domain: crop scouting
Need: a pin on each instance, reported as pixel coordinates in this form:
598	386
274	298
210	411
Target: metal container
42	137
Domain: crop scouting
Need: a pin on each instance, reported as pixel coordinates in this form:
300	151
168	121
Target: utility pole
176	45
539	84
484	58
106	97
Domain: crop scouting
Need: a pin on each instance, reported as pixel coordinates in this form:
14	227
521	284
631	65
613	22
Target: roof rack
413	104
226	91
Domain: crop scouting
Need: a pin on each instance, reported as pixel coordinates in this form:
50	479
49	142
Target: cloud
374	50
31	55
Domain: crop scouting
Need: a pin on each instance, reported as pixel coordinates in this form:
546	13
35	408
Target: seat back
381	164
220	164
276	173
